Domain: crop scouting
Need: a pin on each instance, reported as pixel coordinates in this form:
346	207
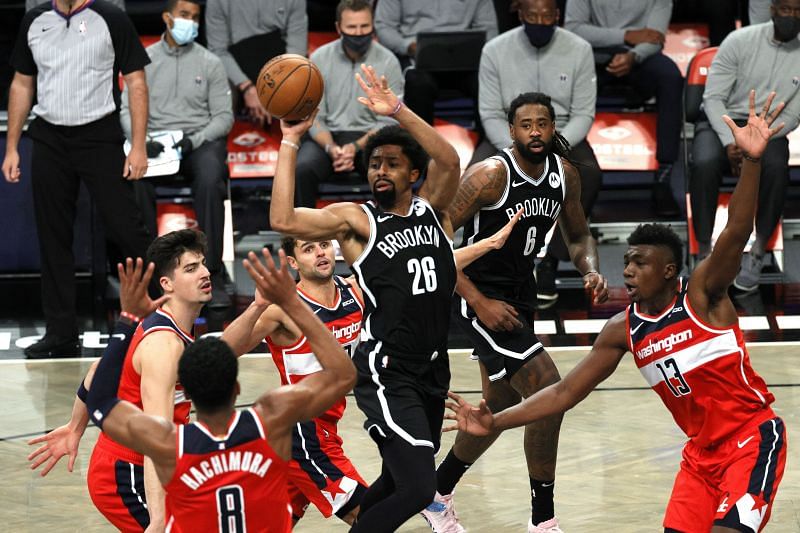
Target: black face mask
358	44
539	34
786	28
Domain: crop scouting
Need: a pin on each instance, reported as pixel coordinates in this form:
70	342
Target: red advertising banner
624	141
683	41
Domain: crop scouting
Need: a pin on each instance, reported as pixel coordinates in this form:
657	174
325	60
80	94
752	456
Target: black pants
314	166
709	161
422	89
582	156
63	156
657	76
206	168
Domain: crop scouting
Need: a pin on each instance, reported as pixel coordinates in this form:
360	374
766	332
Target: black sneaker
546	283
51	346
665	203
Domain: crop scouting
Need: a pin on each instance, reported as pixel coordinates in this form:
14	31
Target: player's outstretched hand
134	280
380	98
497	240
598	284
752	138
296	129
474	420
275	285
55	445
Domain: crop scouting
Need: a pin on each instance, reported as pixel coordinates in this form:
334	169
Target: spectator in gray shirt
556	62
628	36
764	57
343	124
189	92
30	4
229	22
399	21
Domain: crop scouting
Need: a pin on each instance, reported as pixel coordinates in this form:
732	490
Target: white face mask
183	31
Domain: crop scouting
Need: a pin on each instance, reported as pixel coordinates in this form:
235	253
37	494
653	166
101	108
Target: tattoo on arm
482	185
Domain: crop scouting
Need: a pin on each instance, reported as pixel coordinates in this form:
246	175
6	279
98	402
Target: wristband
82	392
591	272
750	158
129	316
290	143
101	410
246	87
397	108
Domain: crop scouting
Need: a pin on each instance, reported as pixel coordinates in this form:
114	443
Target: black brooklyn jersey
541	199
408	275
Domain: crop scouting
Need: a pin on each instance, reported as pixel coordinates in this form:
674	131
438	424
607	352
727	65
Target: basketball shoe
548	526
441	515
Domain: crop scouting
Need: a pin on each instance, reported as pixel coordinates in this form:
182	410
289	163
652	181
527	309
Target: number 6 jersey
702	374
407	273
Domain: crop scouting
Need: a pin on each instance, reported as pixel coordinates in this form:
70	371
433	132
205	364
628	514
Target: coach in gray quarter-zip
189	92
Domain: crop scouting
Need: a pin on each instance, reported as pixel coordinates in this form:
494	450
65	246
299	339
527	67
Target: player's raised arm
303	223
312	396
600	363
466	255
444	167
715	274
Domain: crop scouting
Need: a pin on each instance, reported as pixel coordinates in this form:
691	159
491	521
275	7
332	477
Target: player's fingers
39	460
777	128
37	440
511	309
282	260
161	301
453	396
452	406
71	463
767	105
453	427
49	466
775	113
729	121
37	451
148	274
361	83
752	98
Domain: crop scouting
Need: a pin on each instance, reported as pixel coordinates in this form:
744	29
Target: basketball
290	87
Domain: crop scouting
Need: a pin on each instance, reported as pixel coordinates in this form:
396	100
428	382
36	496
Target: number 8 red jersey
230	484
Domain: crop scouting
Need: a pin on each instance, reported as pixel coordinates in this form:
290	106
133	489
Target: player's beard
386	198
530	156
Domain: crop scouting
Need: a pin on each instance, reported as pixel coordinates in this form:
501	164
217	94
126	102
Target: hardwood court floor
618	454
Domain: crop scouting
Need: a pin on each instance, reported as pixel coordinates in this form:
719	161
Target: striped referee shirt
77	59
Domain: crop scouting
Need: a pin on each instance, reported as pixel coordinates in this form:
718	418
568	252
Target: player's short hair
207	371
400	137
170	4
166	251
352	5
659	235
287	245
530	98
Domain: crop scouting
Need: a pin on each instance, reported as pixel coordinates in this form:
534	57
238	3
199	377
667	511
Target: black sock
449	473
542	501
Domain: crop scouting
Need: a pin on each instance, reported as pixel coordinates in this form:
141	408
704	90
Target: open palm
380	98
752	138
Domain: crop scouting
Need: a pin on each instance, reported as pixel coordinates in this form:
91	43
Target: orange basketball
290	87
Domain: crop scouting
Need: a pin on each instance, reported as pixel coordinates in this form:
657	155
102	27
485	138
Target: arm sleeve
657	19
22	57
485	19
102	396
129	54
578	20
388	15
218	37
719	85
219	105
584	98
490	102
297	30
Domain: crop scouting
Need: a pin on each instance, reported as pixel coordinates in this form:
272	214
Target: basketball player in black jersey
403	260
497	293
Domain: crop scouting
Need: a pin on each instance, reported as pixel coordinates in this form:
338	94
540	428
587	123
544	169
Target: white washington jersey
541	198
407	274
702	374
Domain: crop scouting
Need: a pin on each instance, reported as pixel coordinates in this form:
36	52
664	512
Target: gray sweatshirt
30	4
564	70
230	21
398	22
603	22
339	109
188	91
747	59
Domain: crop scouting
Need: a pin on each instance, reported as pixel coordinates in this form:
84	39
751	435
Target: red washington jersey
231	484
702	374
130	383
297	361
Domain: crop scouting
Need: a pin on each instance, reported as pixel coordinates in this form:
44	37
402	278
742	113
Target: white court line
788	321
544	327
592	325
751	323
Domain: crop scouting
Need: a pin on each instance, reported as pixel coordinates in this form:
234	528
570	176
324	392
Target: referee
69	53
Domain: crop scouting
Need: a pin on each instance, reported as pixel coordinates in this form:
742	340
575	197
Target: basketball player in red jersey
122	484
227	471
688	346
319	471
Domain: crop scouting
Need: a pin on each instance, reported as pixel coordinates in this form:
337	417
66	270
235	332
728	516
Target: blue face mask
183	31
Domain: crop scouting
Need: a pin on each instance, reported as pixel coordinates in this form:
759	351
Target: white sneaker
441	515
548	526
